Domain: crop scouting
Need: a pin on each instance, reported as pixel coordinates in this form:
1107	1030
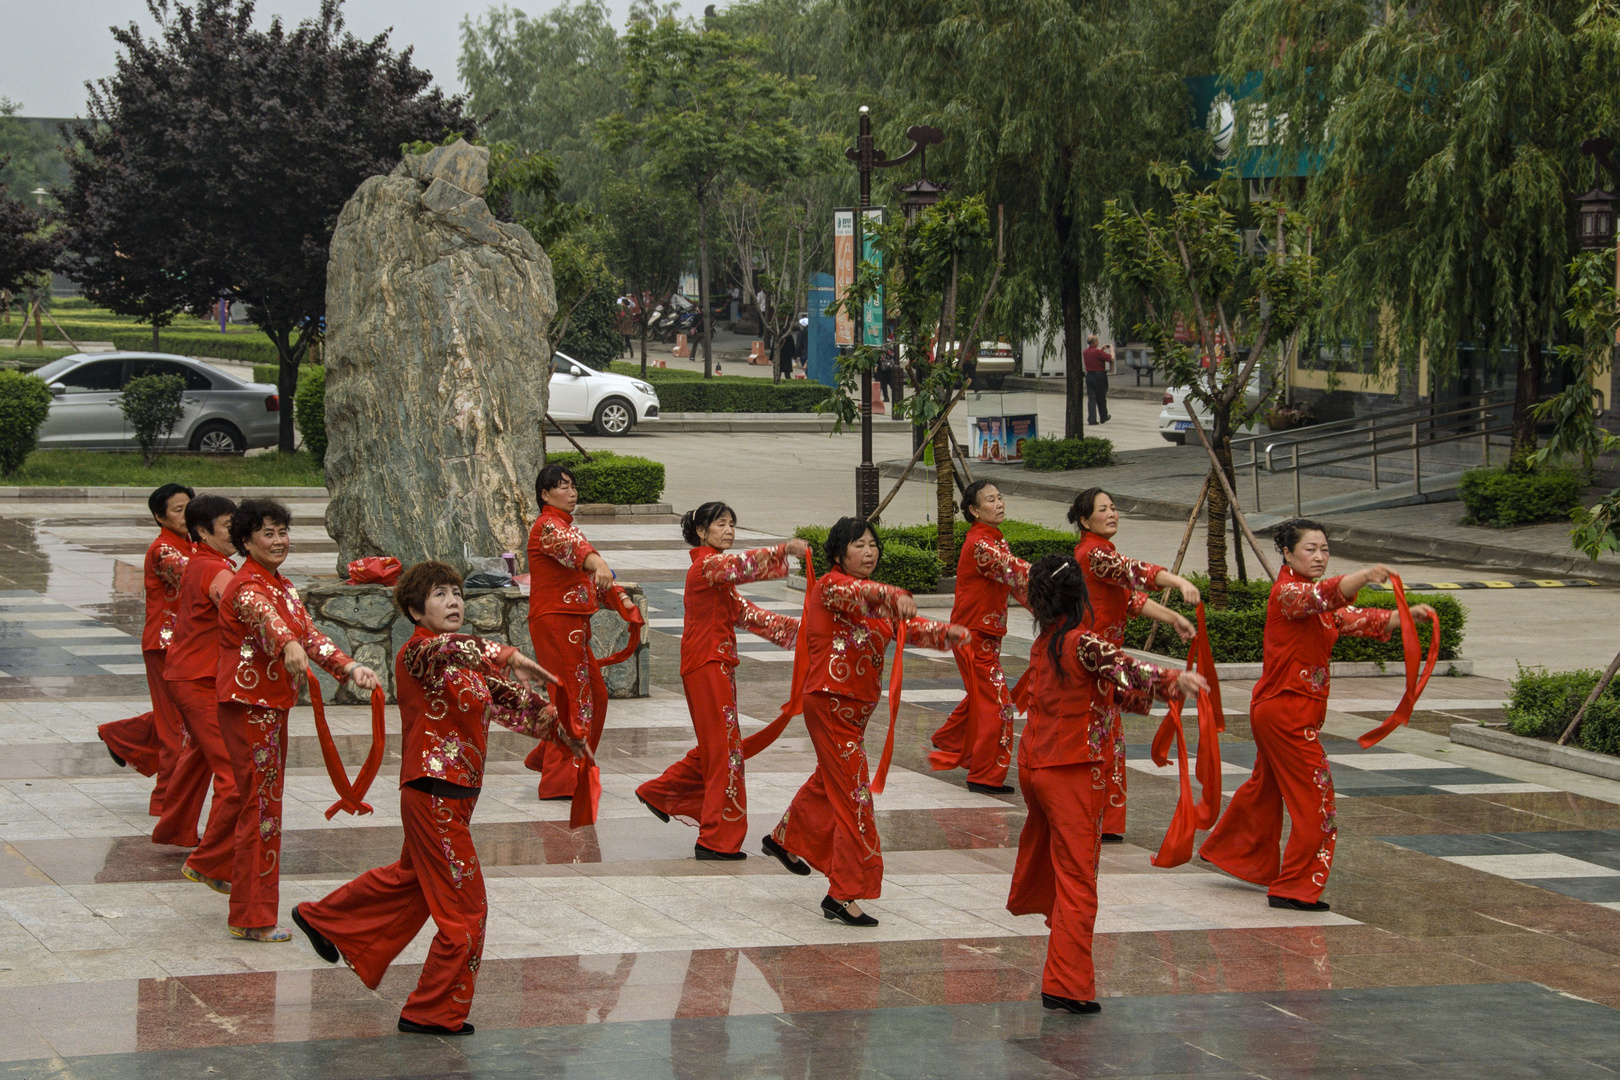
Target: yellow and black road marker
1542	583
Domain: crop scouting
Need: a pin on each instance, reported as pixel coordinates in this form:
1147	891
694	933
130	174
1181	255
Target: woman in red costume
850	620
1063	761
565	574
706	787
978	734
266	641
1117	587
1305	616
450	686
193	661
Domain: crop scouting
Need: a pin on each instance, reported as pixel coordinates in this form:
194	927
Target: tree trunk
643	344
1525	395
39	326
703	289
286	385
1074	378
155	347
1219	506
945	495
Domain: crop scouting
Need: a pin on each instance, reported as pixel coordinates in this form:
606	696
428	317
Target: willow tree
1448	138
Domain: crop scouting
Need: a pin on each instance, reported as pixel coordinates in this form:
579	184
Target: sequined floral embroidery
996	562
739	568
1107	564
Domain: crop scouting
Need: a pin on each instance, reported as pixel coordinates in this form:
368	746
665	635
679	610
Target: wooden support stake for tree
564	433
962	455
59	329
1597	692
1231	497
1181	553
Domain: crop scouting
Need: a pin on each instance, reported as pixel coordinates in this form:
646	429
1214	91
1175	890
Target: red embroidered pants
373	917
829	824
562	645
256	738
978	734
706	787
135	740
1114	774
151	743
216	851
1290	769
1056	872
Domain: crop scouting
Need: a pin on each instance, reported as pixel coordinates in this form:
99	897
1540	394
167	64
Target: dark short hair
846	531
417	584
203	511
1084	504
158	501
970	499
1059	601
1290	531
703	517
551	476
250	516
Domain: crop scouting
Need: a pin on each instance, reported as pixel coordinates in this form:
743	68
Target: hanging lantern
1596	220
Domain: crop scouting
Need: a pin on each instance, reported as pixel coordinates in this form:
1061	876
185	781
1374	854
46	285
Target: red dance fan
350	796
1191	816
1415	683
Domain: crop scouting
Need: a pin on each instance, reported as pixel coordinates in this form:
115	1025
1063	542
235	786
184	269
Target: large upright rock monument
435	366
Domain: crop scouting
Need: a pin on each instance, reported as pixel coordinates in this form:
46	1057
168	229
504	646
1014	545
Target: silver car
222	414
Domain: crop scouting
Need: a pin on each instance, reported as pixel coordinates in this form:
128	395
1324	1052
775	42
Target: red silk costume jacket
1304	619
450	686
987	572
258	614
558	581
1117	586
165	567
850	625
714	611
1064	727
194	652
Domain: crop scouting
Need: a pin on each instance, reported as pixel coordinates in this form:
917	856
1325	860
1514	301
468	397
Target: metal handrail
1334	427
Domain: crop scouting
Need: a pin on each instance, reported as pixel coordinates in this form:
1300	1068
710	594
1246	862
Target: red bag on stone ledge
374	570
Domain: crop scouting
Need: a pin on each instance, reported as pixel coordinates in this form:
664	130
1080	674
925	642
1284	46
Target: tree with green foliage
152	407
778	236
1448	139
647	233
215	161
24	403
705	114
29	157
1050	108
1248	297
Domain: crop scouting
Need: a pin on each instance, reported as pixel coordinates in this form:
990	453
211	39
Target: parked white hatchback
611	403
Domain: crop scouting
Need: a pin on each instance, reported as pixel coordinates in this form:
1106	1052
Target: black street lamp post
867	157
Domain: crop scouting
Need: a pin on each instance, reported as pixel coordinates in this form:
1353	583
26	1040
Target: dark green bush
1237	634
593	333
309	410
151	405
1541	704
903	565
689	391
24	403
1027	541
1053	455
240	345
1503	497
619	479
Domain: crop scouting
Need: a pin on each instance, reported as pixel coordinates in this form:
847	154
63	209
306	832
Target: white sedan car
1174	424
611	403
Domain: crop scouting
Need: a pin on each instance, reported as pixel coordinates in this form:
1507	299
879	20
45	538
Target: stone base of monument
363	622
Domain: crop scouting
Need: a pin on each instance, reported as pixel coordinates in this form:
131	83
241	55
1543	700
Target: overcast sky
53	47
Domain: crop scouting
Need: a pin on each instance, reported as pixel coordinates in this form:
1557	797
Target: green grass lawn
28	356
87	468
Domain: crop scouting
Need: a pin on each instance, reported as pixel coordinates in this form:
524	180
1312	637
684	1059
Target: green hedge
903	565
619	479
689	391
309	411
1501	497
1542	703
249	347
1237	634
1053	455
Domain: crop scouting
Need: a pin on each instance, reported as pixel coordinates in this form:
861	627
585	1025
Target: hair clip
1060	569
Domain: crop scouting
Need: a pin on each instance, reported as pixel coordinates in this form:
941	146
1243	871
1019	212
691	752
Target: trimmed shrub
1237	634
1541	704
239	345
903	565
309	410
24	403
619	479
1502	497
151	405
1055	455
1027	541
689	391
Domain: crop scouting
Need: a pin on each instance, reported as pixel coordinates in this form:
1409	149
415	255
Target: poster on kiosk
1000	437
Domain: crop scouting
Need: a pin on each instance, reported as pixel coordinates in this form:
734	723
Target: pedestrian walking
1099	364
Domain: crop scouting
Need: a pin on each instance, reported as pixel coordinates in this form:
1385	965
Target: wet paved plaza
1475	929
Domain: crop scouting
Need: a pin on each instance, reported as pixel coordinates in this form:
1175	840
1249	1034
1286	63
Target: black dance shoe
790	862
410	1027
118	761
989	789
1298	905
657	813
836	909
1112	838
1063	1004
710	855
318	941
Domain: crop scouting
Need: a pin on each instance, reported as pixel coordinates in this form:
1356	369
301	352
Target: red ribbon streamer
1191	816
768	734
350	796
631	613
897	679
1415	683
